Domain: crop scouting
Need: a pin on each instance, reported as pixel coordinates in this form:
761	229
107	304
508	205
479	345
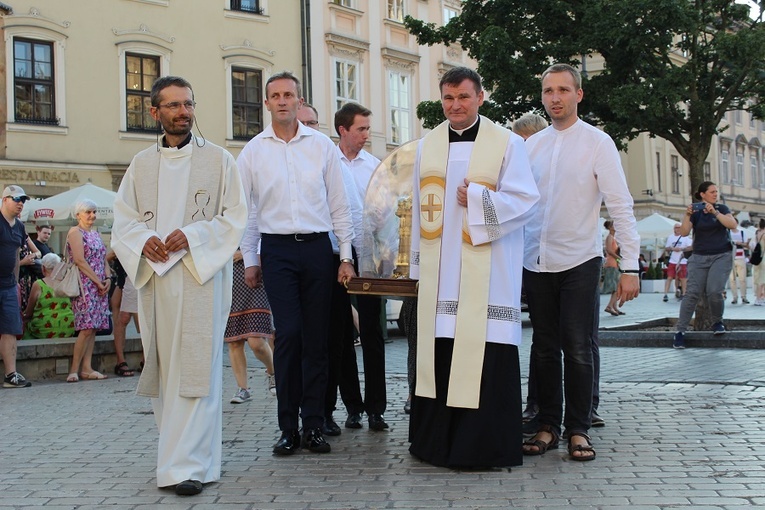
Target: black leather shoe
314	441
330	427
408	406
596	420
189	488
377	422
353	421
288	443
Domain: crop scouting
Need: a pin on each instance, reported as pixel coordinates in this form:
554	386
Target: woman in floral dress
91	308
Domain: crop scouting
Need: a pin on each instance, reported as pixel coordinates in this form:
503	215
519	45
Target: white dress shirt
360	170
576	169
293	187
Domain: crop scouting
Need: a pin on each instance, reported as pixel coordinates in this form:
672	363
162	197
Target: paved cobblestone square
684	429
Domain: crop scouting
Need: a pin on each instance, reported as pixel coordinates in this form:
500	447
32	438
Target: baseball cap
14	192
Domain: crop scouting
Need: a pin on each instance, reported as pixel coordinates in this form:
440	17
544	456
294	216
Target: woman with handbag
91	308
46	315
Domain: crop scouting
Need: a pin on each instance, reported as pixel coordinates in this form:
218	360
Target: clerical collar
468	134
180	145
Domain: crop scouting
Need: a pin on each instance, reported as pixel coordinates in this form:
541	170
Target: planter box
652	286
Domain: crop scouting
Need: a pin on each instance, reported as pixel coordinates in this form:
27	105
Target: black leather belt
296	237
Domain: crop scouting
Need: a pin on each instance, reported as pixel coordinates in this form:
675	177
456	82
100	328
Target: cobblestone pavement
684	429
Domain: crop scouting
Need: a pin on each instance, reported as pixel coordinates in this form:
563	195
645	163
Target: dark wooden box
400	287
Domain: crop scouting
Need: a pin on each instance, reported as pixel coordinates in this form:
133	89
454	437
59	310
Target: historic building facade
76	78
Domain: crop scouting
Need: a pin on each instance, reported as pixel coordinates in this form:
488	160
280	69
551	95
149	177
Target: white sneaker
271	383
242	395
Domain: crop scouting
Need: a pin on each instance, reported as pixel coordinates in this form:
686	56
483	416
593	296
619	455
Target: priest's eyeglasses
175	106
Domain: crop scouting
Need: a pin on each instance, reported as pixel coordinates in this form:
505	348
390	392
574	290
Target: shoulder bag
66	279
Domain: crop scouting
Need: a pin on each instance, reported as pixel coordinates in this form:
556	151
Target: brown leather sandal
587	449
541	446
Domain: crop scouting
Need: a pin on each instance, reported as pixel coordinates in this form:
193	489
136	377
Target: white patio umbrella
59	209
654	230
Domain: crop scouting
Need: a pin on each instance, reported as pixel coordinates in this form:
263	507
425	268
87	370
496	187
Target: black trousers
343	370
561	306
373	347
299	278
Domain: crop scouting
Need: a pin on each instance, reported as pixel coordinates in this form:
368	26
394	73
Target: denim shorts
10	314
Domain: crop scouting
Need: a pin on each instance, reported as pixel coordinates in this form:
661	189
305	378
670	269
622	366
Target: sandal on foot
584	449
541	446
123	370
612	311
93	376
72	378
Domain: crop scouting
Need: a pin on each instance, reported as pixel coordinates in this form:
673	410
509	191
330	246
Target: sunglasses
19	200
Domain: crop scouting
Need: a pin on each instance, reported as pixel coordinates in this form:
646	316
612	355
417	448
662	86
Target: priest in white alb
473	193
179	215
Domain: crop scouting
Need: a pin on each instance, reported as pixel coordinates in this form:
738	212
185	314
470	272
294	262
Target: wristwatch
350	261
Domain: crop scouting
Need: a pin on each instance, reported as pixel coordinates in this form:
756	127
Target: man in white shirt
677	267
352	124
576	167
738	274
294	186
343	370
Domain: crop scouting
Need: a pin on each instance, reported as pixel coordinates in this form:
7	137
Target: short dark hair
457	75
284	75
565	68
40	227
168	81
347	114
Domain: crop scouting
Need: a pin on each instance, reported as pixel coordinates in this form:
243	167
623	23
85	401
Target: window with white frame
754	168
707	171
739	177
246	102
140	73
252	6
396	10
449	13
725	166
399	90
346	83
344	3
675	163
34	82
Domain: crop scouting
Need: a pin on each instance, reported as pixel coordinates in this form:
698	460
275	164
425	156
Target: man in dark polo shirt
12	238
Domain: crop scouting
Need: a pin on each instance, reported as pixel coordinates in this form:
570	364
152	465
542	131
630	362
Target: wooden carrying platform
400	287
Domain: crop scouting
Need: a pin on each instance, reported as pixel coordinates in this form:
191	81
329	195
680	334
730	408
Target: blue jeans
707	274
561	308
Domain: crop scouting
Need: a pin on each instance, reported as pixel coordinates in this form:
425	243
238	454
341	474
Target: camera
699	206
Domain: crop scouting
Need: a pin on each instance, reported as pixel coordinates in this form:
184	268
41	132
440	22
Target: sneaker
679	342
718	328
734	302
758	303
271	383
745	301
665	298
242	395
15	380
